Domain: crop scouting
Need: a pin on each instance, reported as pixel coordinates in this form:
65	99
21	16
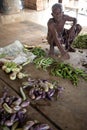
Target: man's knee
78	28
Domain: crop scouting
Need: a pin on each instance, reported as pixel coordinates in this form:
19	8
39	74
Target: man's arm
72	19
72	29
52	29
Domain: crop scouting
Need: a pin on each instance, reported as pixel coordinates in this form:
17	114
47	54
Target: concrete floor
70	111
26	32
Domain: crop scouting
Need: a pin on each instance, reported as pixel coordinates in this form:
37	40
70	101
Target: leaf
80	42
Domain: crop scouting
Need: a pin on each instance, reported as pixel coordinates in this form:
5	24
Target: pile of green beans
38	52
67	71
43	62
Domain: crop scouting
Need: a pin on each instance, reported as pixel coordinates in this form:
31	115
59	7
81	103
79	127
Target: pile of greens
43	62
67	71
61	69
38	52
80	42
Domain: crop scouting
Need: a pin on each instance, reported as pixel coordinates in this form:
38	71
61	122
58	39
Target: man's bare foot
51	54
71	49
65	56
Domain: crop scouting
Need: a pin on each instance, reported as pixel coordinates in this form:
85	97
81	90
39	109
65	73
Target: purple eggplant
41	127
28	125
25	103
8	123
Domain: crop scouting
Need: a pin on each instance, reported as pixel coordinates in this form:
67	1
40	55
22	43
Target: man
58	35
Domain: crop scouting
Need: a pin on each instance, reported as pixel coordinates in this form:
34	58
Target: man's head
57	6
57	10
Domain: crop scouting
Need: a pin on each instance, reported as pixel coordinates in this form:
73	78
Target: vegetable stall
39	84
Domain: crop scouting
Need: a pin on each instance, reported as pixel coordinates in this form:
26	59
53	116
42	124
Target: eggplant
41	127
25	103
8	123
28	125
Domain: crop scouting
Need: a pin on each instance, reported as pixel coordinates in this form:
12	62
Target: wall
36	4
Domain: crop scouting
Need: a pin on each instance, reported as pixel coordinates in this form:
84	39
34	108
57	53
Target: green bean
5	128
7	108
14	126
22	93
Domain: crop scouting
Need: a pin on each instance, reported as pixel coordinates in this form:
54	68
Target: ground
69	112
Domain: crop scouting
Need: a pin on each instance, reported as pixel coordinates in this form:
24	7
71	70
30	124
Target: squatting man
57	35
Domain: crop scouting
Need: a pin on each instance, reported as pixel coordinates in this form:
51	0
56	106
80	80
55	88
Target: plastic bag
15	52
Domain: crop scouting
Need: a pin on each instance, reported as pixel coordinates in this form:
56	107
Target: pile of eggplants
12	109
13	114
41	89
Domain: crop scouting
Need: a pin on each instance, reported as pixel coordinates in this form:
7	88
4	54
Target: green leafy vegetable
80	42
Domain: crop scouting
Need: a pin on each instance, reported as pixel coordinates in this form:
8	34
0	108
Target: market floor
70	110
26	32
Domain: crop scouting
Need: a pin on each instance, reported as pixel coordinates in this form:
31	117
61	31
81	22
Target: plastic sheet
15	52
